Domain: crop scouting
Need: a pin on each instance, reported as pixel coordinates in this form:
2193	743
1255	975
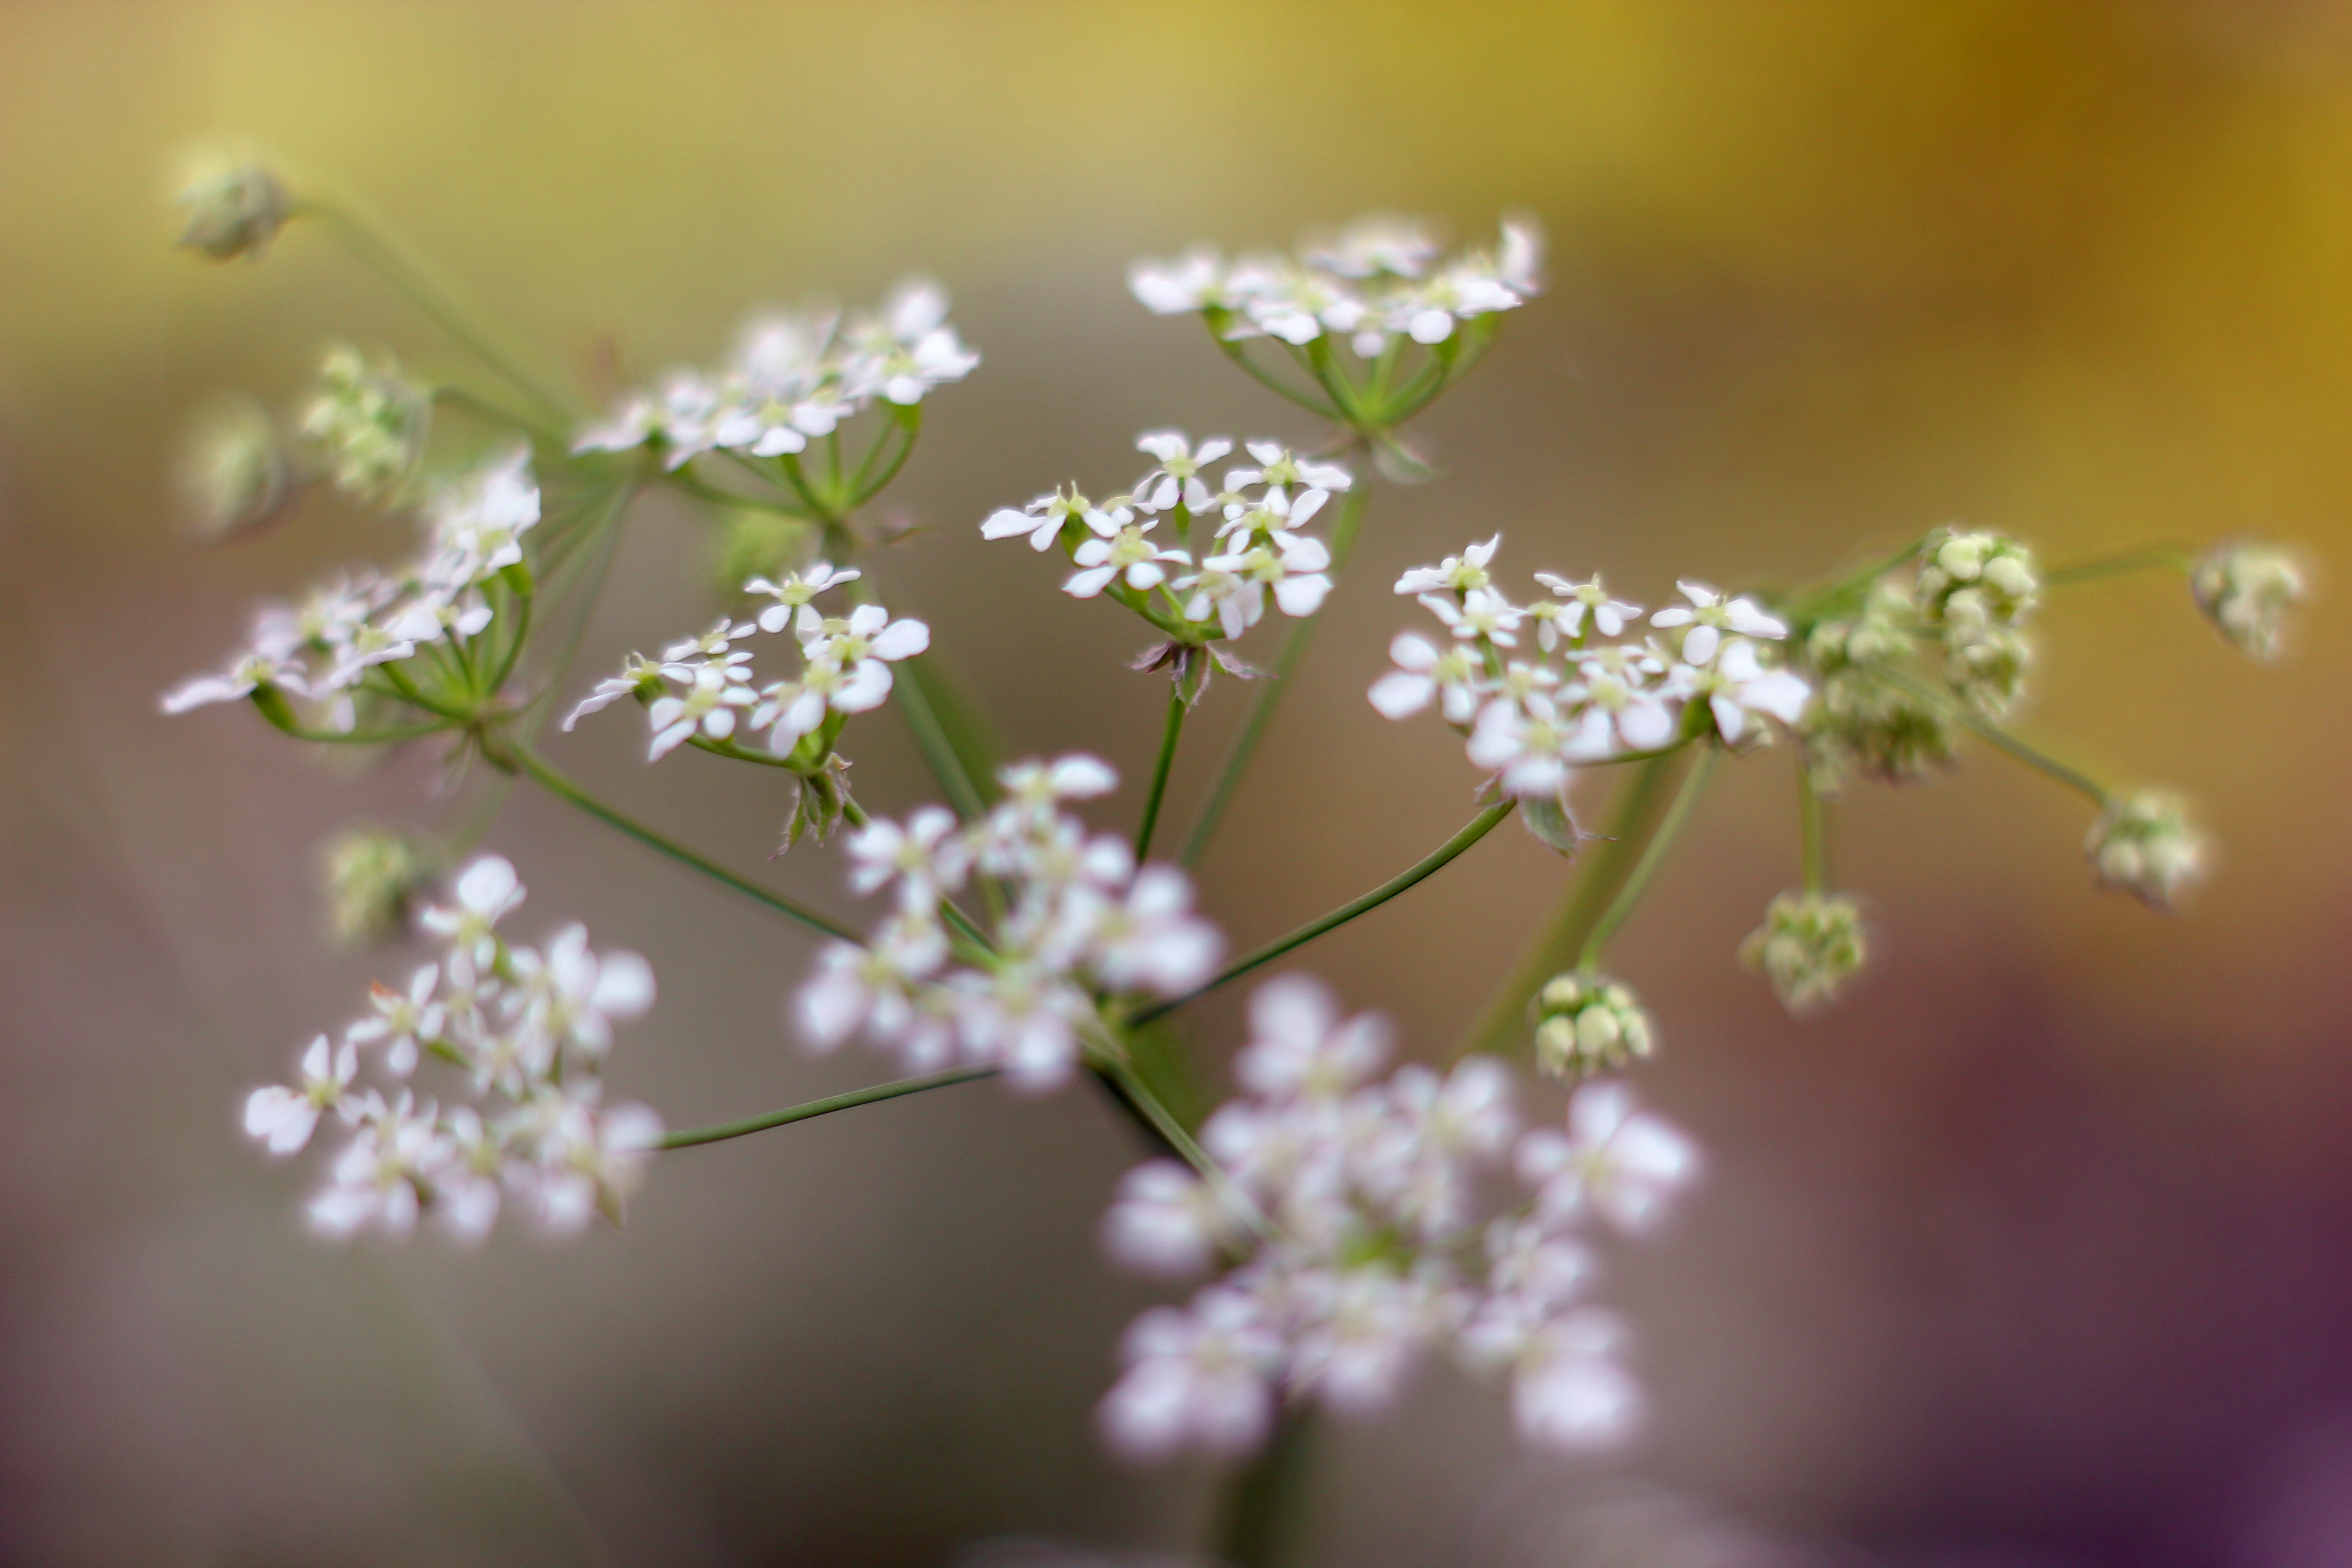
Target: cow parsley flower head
2250	590
2145	843
367	420
1808	946
372	876
1587	1025
233	474
235	203
1711	614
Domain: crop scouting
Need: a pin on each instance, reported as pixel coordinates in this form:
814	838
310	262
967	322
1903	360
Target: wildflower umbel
2250	590
2145	843
522	1118
1587	1025
1808	946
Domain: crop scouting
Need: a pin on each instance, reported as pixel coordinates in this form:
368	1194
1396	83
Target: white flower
1455	676
1374	244
634	420
1367	1323
908	349
249	672
1619	706
1740	686
466	1186
1281	470
1300	1050
1178	477
1528	746
1150	938
590	1161
797	589
283	1118
1617	1160
709	705
2249	589
2146	844
487	891
871	987
718	643
1609	617
478	521
1455	575
1298	572
373	1180
1528	1261
1483	615
1041	519
1024	1016
1572	1391
924	857
1192	281
1121	548
639	674
402	1021
1165	1221
1197	1378
1040	787
574	994
1709	615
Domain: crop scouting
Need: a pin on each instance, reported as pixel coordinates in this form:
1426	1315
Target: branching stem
694	1137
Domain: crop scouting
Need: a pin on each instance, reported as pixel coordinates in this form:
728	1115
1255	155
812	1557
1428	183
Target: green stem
514	645
1629	824
1236	351
1985	728
1654	855
914	699
1177	708
696	1136
703	490
437	296
2172	556
1477	827
1261	1513
555	783
490	411
1261	710
1810	816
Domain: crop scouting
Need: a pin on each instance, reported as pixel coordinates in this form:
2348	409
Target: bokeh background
2037	1252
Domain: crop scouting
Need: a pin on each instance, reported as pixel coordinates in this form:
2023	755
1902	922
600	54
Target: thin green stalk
1477	827
694	1137
1629	824
1262	1512
1262	705
1654	855
1177	708
914	700
2081	782
2176	557
1809	814
1239	354
703	490
522	756
490	411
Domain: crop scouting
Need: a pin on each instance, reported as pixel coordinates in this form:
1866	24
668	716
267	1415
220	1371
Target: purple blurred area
2036	1253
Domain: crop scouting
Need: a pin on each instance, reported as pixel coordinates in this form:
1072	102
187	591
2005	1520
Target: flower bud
1808	945
233	474
372	874
368	420
1587	1025
1979	587
2144	843
1859	723
234	204
2248	589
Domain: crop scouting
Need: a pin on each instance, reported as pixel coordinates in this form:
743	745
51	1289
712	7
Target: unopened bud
2248	589
233	473
1999	570
1586	1023
234	204
372	875
2144	843
1808	945
369	421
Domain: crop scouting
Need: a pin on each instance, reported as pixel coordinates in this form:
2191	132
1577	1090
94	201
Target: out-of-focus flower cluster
795	377
348	641
2251	589
1536	690
527	1030
1226	551
1081	923
1357	1224
1378	280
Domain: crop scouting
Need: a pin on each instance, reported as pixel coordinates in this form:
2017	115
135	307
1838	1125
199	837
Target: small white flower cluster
2250	590
1082	922
1532	720
1357	1225
368	421
795	376
844	668
1808	946
1978	588
324	647
1255	547
530	1029
1376	282
2145	844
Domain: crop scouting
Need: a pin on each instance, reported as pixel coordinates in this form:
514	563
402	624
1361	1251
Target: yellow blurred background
2039	1251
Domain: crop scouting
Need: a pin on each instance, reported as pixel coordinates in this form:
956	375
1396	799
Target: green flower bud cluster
1979	587
2144	845
234	472
372	874
1859	723
1808	945
235	205
1587	1025
2248	589
369	421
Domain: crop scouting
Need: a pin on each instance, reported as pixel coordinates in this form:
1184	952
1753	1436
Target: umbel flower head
233	473
235	205
368	421
1863	723
2248	589
373	875
1979	587
1587	1025
1808	945
2144	843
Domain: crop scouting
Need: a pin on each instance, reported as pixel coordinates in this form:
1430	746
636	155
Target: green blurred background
2037	1252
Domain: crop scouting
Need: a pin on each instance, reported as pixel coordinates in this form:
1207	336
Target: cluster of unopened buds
527	1031
1351	1220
